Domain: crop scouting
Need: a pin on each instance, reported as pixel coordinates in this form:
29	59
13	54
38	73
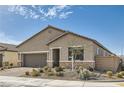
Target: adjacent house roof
7	47
65	33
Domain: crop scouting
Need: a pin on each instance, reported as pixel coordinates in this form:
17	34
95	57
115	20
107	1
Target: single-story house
8	54
54	47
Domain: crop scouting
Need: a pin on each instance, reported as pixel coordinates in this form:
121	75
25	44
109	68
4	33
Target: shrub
2	68
8	67
6	63
78	71
84	74
118	75
80	68
50	73
49	69
41	70
122	73
35	73
11	64
45	68
90	69
27	73
92	74
58	69
60	74
63	67
109	73
76	67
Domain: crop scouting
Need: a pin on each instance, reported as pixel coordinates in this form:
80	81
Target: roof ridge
57	37
49	26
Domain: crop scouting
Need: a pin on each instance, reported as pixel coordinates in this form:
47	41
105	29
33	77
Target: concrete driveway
8	81
15	71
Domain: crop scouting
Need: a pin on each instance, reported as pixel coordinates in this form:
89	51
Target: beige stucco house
54	47
8	54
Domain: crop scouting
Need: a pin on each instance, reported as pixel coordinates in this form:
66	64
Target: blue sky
103	23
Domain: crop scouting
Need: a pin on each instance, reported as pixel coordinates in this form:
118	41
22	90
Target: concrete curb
122	80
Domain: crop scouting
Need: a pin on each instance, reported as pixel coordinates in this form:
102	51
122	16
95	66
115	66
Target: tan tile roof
94	41
64	33
7	47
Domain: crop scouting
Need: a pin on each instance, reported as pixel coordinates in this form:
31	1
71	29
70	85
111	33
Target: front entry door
56	57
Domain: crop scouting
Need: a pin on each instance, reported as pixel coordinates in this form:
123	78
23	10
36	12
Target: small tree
75	52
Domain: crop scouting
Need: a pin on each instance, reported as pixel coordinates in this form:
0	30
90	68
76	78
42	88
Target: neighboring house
53	47
8	54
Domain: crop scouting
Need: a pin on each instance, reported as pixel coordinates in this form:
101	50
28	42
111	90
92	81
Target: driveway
8	81
15	71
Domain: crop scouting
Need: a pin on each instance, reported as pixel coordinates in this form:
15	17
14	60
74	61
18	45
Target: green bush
60	74
27	73
84	74
109	73
118	75
35	72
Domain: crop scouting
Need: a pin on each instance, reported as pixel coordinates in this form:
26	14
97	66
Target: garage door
35	60
1	60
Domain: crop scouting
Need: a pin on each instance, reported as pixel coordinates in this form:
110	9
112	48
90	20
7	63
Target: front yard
80	73
16	77
61	73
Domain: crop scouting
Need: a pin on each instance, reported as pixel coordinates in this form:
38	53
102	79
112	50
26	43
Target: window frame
70	57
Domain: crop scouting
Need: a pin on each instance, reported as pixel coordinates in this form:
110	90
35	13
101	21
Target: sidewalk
7	81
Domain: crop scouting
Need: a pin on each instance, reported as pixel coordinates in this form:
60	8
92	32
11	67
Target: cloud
64	15
7	39
42	12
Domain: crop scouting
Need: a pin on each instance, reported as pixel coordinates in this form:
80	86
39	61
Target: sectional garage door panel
35	60
1	60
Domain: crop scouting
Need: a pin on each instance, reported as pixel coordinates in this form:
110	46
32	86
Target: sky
102	23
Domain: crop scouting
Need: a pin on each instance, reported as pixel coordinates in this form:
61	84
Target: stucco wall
107	63
11	57
38	43
71	40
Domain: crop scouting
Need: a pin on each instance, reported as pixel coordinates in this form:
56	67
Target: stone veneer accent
69	64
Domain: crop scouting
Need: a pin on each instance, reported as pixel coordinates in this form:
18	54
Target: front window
76	52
